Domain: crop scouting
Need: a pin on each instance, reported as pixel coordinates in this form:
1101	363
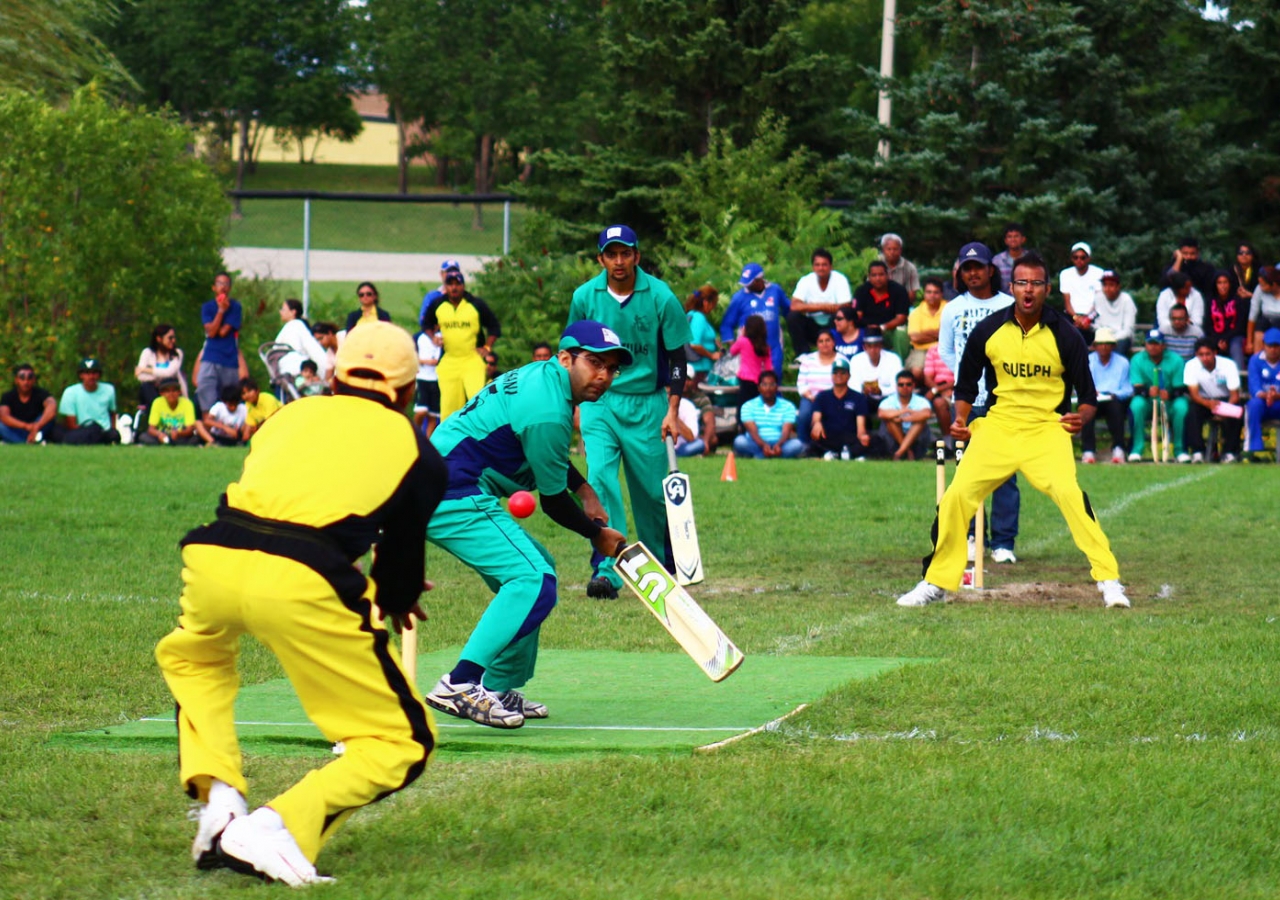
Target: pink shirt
750	365
934	367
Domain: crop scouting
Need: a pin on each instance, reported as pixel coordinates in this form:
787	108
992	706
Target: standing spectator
752	350
922	327
160	359
627	426
1156	374
296	332
1211	380
1264	385
875	369
89	408
814	376
770	424
939	385
1180	292
1187	261
905	416
172	420
369	310
226	421
1078	283
704	349
220	365
258	407
1225	319
839	428
816	298
430	297
542	352
1110	371
883	303
847	334
326	335
757	297
1264	307
901	271
27	410
1115	310
426	404
1244	273
469	330
981	298
1182	335
1015	242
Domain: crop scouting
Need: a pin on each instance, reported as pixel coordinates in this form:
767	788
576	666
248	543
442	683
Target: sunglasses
909	384
26	376
366	294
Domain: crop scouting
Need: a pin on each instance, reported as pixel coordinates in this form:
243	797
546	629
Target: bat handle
671	454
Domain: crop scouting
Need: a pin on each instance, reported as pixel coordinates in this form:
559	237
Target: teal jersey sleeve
675	325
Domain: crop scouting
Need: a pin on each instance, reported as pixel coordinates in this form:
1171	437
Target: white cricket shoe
1088	458
973	548
1003	555
518	702
1117	456
1228	458
1113	594
1135	457
1184	458
1197	458
225	803
259	844
923	594
474	702
829	455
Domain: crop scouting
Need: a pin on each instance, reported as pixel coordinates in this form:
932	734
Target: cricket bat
692	628
684	533
409	654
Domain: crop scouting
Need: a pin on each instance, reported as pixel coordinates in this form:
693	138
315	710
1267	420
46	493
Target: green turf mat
600	701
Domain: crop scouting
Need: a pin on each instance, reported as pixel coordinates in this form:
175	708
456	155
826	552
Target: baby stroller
271	353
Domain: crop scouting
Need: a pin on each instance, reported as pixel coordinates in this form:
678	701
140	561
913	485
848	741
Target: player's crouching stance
277	563
1033	357
514	435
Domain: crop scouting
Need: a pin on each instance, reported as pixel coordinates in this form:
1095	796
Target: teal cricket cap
588	334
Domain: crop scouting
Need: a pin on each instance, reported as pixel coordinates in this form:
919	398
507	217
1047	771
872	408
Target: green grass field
1041	747
384	227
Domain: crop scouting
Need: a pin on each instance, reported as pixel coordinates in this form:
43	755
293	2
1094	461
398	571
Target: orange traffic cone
730	470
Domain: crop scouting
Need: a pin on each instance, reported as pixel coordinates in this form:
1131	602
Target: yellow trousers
461	378
1042	453
340	665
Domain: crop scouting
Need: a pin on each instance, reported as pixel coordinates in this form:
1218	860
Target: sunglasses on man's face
26	376
366	294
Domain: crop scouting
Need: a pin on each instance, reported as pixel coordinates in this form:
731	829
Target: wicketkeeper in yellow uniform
468	328
326	478
1033	357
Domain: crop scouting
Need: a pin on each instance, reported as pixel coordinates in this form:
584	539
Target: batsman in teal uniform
629	424
514	436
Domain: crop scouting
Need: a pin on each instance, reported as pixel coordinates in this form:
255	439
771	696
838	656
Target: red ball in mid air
521	504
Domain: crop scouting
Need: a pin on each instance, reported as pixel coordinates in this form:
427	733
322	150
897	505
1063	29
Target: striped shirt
769	419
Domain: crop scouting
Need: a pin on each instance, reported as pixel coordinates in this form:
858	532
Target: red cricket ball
521	504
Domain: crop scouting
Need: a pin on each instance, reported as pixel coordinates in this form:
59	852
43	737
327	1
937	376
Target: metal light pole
886	72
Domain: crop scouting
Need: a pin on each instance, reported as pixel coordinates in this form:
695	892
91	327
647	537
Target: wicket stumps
973	576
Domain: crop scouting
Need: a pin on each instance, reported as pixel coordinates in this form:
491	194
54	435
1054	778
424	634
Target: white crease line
767	726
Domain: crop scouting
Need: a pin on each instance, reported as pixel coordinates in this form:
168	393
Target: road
343	265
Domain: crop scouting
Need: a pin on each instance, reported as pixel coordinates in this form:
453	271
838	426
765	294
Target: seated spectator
1115	310
226	421
326	334
1264	385
702	352
1110	373
689	425
27	411
879	301
369	309
258	407
89	408
1079	283
752	350
1015	242
172	420
770	424
1156	376
922	327
839	429
1187	261
160	359
874	370
426	404
309	383
1264	307
814	376
1244	273
817	295
1211	381
296	332
541	351
845	330
706	416
939	385
904	416
1180	292
902	271
1183	334
1225	319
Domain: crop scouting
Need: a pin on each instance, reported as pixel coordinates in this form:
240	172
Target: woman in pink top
752	350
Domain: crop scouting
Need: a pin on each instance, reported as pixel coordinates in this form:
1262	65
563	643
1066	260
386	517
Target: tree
116	229
50	47
397	35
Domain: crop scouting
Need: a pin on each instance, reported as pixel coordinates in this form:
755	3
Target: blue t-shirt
222	351
848	349
771	304
429	298
840	414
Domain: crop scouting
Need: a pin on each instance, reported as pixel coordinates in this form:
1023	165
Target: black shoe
600	588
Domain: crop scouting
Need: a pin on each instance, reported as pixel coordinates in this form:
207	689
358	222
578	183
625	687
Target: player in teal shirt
514	435
629	424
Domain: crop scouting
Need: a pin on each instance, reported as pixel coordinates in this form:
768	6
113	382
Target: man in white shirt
1079	282
1180	290
1212	381
874	369
1114	309
816	298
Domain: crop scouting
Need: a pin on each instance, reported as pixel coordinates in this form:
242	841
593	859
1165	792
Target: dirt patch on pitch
1033	593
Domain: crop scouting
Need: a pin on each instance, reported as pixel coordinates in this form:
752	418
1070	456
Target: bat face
680	525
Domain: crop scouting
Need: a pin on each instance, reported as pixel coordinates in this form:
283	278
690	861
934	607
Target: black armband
565	512
677	376
574	477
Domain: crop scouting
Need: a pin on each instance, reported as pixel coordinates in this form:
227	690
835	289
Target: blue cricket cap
1155	337
588	334
618	234
450	264
974	252
750	273
1272	336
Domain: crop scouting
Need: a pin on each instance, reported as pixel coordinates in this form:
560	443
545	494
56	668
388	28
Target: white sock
221	792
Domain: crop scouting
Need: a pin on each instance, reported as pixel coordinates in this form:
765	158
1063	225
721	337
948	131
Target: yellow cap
377	356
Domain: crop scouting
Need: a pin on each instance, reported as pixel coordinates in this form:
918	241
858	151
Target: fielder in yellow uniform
278	563
468	329
1033	357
